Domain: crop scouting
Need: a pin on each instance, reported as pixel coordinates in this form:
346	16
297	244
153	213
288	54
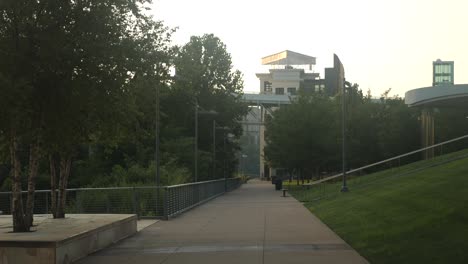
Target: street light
344	188
157	145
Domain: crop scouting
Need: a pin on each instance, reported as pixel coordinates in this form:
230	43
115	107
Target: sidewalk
253	224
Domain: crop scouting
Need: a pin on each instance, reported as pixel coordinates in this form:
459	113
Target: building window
292	90
317	87
443	69
443	79
267	86
279	90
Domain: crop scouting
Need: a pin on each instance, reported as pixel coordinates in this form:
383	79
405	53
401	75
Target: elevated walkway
436	96
252	224
266	99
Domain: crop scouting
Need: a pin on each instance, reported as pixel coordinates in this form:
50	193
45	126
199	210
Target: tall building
442	72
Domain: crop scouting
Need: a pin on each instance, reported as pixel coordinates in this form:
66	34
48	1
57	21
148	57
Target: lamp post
157	143
195	174
344	188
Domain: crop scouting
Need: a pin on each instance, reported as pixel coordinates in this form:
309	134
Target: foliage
304	137
204	79
68	71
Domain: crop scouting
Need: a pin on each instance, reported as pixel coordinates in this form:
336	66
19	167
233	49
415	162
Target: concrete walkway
253	224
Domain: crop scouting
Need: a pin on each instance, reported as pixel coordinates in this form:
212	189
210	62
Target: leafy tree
303	135
67	73
205	77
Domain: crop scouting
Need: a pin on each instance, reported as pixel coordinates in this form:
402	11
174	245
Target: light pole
214	149
344	188
157	146
195	174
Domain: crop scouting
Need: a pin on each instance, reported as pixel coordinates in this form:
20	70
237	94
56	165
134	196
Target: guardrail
146	202
382	171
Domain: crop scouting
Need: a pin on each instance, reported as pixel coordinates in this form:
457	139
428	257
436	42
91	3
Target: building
443	93
442	73
290	73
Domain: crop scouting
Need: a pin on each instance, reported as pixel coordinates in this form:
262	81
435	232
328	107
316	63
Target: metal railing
146	202
382	171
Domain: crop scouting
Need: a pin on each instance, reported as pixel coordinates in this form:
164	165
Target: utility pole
214	149
196	143
157	143
344	188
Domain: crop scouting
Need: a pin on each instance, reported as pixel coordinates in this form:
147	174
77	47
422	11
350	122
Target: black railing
146	202
383	171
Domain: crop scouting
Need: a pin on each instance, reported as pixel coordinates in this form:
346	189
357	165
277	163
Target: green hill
416	214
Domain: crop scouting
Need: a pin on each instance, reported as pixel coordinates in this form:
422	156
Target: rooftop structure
442	72
289	58
291	76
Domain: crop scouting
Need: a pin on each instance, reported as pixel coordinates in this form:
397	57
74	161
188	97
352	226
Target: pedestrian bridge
441	95
266	99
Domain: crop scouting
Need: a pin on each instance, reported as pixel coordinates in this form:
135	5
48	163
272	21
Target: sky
382	43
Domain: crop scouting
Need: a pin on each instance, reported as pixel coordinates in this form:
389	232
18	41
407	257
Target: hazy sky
381	43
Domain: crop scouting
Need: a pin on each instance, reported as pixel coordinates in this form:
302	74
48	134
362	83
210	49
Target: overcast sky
381	43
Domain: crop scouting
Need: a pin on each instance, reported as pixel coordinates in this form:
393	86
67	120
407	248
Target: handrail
384	161
196	183
128	188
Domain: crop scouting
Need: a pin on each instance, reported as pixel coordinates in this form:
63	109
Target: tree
67	74
303	136
205	77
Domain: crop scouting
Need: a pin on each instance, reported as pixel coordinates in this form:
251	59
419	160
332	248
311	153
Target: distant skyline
382	44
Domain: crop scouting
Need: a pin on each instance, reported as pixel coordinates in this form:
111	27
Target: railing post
107	203
166	203
46	202
135	210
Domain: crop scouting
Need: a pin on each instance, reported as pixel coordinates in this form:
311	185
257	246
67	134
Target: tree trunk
297	176
33	167
65	165
19	224
302	176
53	185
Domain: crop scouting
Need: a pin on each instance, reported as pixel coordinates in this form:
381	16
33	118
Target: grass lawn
419	217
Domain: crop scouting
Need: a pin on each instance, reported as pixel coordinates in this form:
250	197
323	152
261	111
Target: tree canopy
304	136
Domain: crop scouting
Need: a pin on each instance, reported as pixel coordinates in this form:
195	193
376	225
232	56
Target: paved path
253	224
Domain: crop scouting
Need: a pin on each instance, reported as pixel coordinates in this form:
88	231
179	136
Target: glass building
442	73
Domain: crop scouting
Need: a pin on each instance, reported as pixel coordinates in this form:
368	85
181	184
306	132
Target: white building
290	73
